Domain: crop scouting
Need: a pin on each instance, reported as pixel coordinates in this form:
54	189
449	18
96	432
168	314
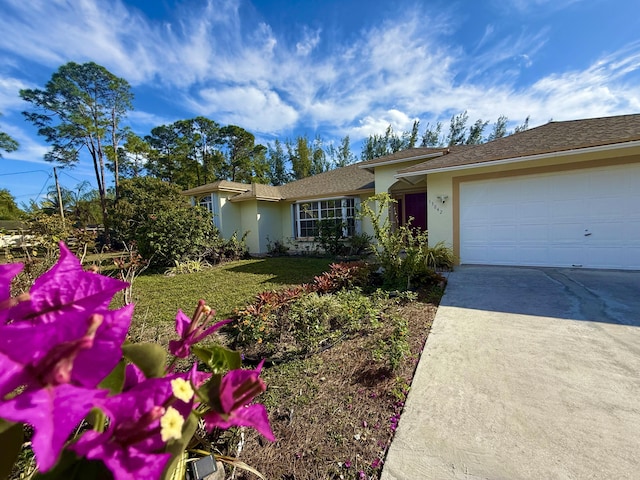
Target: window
341	210
210	202
207	202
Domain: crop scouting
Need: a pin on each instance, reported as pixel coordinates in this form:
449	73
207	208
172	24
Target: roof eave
527	158
262	199
191	193
372	166
331	195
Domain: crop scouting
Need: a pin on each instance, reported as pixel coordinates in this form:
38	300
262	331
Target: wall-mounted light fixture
442	198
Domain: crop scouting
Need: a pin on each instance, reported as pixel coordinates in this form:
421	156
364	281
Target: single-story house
288	213
561	194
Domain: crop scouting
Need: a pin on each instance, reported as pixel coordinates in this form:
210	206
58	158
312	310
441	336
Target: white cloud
399	122
310	40
9	94
211	61
249	107
29	150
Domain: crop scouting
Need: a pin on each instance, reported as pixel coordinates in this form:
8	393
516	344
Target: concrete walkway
528	373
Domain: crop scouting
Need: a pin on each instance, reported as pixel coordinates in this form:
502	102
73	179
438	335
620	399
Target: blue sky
285	68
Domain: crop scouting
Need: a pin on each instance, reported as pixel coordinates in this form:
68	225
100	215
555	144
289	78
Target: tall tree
201	136
241	153
278	174
7	143
523	126
169	157
377	145
499	129
432	136
134	155
410	139
341	156
301	157
8	208
380	145
319	161
81	108
260	164
475	132
457	129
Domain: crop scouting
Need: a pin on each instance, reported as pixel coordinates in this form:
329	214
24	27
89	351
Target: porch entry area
411	206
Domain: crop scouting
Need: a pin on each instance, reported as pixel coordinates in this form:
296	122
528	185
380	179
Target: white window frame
212	204
297	220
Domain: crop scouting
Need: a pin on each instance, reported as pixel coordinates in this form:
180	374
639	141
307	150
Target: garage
576	218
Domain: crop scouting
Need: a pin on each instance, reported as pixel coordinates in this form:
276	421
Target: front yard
335	399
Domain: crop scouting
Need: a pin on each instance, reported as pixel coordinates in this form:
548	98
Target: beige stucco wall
440	215
249	223
269	221
442	220
230	216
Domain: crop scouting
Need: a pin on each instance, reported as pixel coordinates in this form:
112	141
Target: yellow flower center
171	424
181	389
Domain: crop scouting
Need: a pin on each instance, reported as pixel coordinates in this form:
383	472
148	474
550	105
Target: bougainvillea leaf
151	358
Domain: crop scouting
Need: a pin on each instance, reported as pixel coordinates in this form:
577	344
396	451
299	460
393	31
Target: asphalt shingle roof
217	185
411	154
259	191
350	179
549	138
341	181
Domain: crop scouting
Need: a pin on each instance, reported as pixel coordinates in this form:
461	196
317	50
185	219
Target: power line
22	173
71	176
43	187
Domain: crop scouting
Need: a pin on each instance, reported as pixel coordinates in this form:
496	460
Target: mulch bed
334	414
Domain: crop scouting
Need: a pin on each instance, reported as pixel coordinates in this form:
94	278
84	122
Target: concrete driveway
528	373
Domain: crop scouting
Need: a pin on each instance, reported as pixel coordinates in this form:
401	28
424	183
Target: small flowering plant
98	405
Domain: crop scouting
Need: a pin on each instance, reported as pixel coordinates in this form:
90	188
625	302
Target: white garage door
588	218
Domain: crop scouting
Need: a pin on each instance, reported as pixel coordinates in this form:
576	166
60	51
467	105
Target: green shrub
404	253
189	266
221	250
330	236
440	257
314	319
276	247
342	275
175	235
393	349
360	244
162	223
303	317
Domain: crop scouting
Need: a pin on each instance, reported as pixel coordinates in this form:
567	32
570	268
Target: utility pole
55	175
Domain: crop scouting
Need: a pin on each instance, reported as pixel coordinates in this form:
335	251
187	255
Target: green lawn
157	297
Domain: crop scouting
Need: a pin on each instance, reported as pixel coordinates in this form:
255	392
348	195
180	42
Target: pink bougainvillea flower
193	330
56	345
54	412
58	374
237	390
66	291
132	447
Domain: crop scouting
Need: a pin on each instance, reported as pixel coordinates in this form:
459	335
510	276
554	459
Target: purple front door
415	205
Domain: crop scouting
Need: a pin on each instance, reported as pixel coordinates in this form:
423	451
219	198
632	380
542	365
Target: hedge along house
562	194
288	213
